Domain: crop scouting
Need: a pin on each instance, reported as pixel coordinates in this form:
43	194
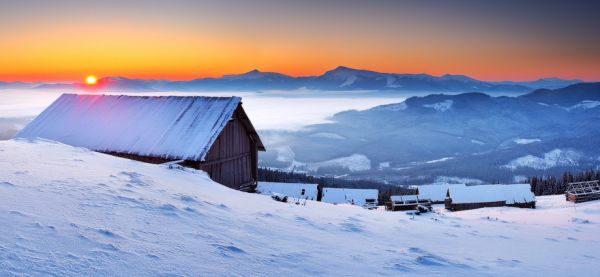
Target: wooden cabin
436	193
473	197
299	191
213	134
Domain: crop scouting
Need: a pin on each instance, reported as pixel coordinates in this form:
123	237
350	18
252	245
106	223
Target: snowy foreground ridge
68	211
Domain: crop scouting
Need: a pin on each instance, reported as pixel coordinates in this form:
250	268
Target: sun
91	80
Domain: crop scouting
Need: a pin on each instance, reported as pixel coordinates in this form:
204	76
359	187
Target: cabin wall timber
470	206
233	158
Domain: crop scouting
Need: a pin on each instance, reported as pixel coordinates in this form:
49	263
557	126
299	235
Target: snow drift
68	211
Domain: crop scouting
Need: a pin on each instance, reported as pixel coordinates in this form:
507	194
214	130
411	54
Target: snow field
68	211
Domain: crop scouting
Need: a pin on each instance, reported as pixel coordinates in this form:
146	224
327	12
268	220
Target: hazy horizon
180	40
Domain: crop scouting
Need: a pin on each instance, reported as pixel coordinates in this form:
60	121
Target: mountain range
468	136
339	79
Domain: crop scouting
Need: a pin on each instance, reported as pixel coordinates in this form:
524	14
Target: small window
303	191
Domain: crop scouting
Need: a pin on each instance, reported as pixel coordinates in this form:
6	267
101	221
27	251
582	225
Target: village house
472	197
292	190
360	197
436	193
213	134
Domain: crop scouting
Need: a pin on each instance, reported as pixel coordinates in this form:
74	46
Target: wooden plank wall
232	160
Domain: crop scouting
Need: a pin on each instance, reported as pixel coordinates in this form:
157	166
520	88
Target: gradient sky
65	40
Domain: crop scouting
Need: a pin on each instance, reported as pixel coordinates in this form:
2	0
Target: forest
549	185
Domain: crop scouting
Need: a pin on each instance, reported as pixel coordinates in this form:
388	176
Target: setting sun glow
91	80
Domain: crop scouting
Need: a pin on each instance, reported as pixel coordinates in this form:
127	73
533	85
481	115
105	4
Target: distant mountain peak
458	77
345	72
341	67
254	74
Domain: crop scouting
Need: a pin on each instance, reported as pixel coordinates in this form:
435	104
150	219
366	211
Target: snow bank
348	196
68	211
294	190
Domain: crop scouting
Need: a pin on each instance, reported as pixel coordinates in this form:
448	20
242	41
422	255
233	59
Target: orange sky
66	40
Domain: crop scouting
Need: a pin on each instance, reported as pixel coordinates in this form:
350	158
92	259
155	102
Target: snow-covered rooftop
348	196
516	193
402	198
172	127
294	190
435	192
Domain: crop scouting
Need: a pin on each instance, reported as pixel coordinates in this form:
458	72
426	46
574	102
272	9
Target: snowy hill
69	211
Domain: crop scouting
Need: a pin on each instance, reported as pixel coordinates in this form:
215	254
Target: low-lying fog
284	110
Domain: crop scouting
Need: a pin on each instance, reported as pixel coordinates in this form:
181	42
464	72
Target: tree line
549	185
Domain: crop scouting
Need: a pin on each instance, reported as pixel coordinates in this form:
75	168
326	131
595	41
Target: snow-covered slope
67	211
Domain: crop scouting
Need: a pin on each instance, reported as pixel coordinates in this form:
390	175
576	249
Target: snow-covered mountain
71	212
469	135
339	79
345	78
549	83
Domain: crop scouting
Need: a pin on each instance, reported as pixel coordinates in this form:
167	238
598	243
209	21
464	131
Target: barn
293	190
436	193
473	197
213	134
360	197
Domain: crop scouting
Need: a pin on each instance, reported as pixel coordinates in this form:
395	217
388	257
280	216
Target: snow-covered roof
294	190
171	127
352	196
435	192
402	198
516	193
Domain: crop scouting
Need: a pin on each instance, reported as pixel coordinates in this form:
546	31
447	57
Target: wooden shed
578	192
209	133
